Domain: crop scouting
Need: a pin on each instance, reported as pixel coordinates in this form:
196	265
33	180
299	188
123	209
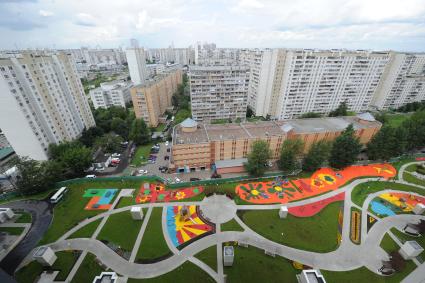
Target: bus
58	195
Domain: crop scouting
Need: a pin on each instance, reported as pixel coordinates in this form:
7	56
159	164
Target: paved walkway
347	257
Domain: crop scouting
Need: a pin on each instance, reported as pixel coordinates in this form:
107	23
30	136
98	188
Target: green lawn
388	244
64	263
160	128
125	201
153	243
361	191
365	275
12	230
401	162
24	218
231	225
70	211
396	120
141	151
187	272
209	256
252	265
88	270
317	233
181	115
404	237
412	179
86	231
115	226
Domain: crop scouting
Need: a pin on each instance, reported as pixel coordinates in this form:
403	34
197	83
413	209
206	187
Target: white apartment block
3	140
218	92
287	83
183	56
403	82
42	101
136	60
115	93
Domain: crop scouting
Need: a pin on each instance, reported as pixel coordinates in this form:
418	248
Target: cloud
84	19
45	13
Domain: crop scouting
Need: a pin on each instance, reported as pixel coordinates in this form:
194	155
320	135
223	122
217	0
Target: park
345	225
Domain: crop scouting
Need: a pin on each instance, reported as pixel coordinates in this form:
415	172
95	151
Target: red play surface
315	207
93	201
158	193
323	180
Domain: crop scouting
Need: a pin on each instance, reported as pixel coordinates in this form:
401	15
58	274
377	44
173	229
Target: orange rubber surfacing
322	181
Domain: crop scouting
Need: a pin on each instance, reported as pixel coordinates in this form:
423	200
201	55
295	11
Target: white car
90	176
116	155
166	143
141	171
177	180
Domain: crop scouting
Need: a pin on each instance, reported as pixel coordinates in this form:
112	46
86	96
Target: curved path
347	257
41	212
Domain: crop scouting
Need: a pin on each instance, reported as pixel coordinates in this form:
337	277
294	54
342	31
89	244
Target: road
42	215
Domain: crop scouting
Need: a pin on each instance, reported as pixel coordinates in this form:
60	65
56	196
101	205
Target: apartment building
199	146
152	98
42	101
218	92
136	60
115	93
403	82
183	56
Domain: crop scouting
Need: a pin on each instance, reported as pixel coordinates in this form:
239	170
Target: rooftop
263	129
5	152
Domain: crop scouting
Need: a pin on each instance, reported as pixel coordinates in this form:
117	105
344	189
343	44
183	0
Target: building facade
403	82
152	98
136	60
218	92
115	93
42	101
198	146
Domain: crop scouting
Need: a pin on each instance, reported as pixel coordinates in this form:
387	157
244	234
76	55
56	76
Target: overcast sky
352	24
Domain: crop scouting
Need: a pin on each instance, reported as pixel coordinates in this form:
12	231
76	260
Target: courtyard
180	231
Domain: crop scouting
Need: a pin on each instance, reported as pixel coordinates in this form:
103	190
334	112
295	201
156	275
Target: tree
88	136
120	127
35	177
249	112
139	132
345	149
110	142
342	110
383	144
73	157
258	158
310	115
415	129
288	154
317	155
381	117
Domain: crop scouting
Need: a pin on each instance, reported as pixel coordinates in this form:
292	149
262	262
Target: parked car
116	154
166	143
195	179
141	171
177	180
166	157
163	169
99	169
90	176
168	149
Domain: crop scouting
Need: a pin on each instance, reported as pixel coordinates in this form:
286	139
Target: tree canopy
258	158
73	156
110	142
288	154
139	132
317	155
345	149
341	110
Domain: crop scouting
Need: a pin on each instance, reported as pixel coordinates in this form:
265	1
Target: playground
156	192
100	198
389	204
322	181
185	224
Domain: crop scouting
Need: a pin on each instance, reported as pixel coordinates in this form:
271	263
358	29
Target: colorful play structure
156	192
389	204
186	224
100	199
322	181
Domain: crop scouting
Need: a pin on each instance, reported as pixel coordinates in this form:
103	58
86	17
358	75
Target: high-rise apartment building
403	82
218	92
42	101
137	65
115	93
152	98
